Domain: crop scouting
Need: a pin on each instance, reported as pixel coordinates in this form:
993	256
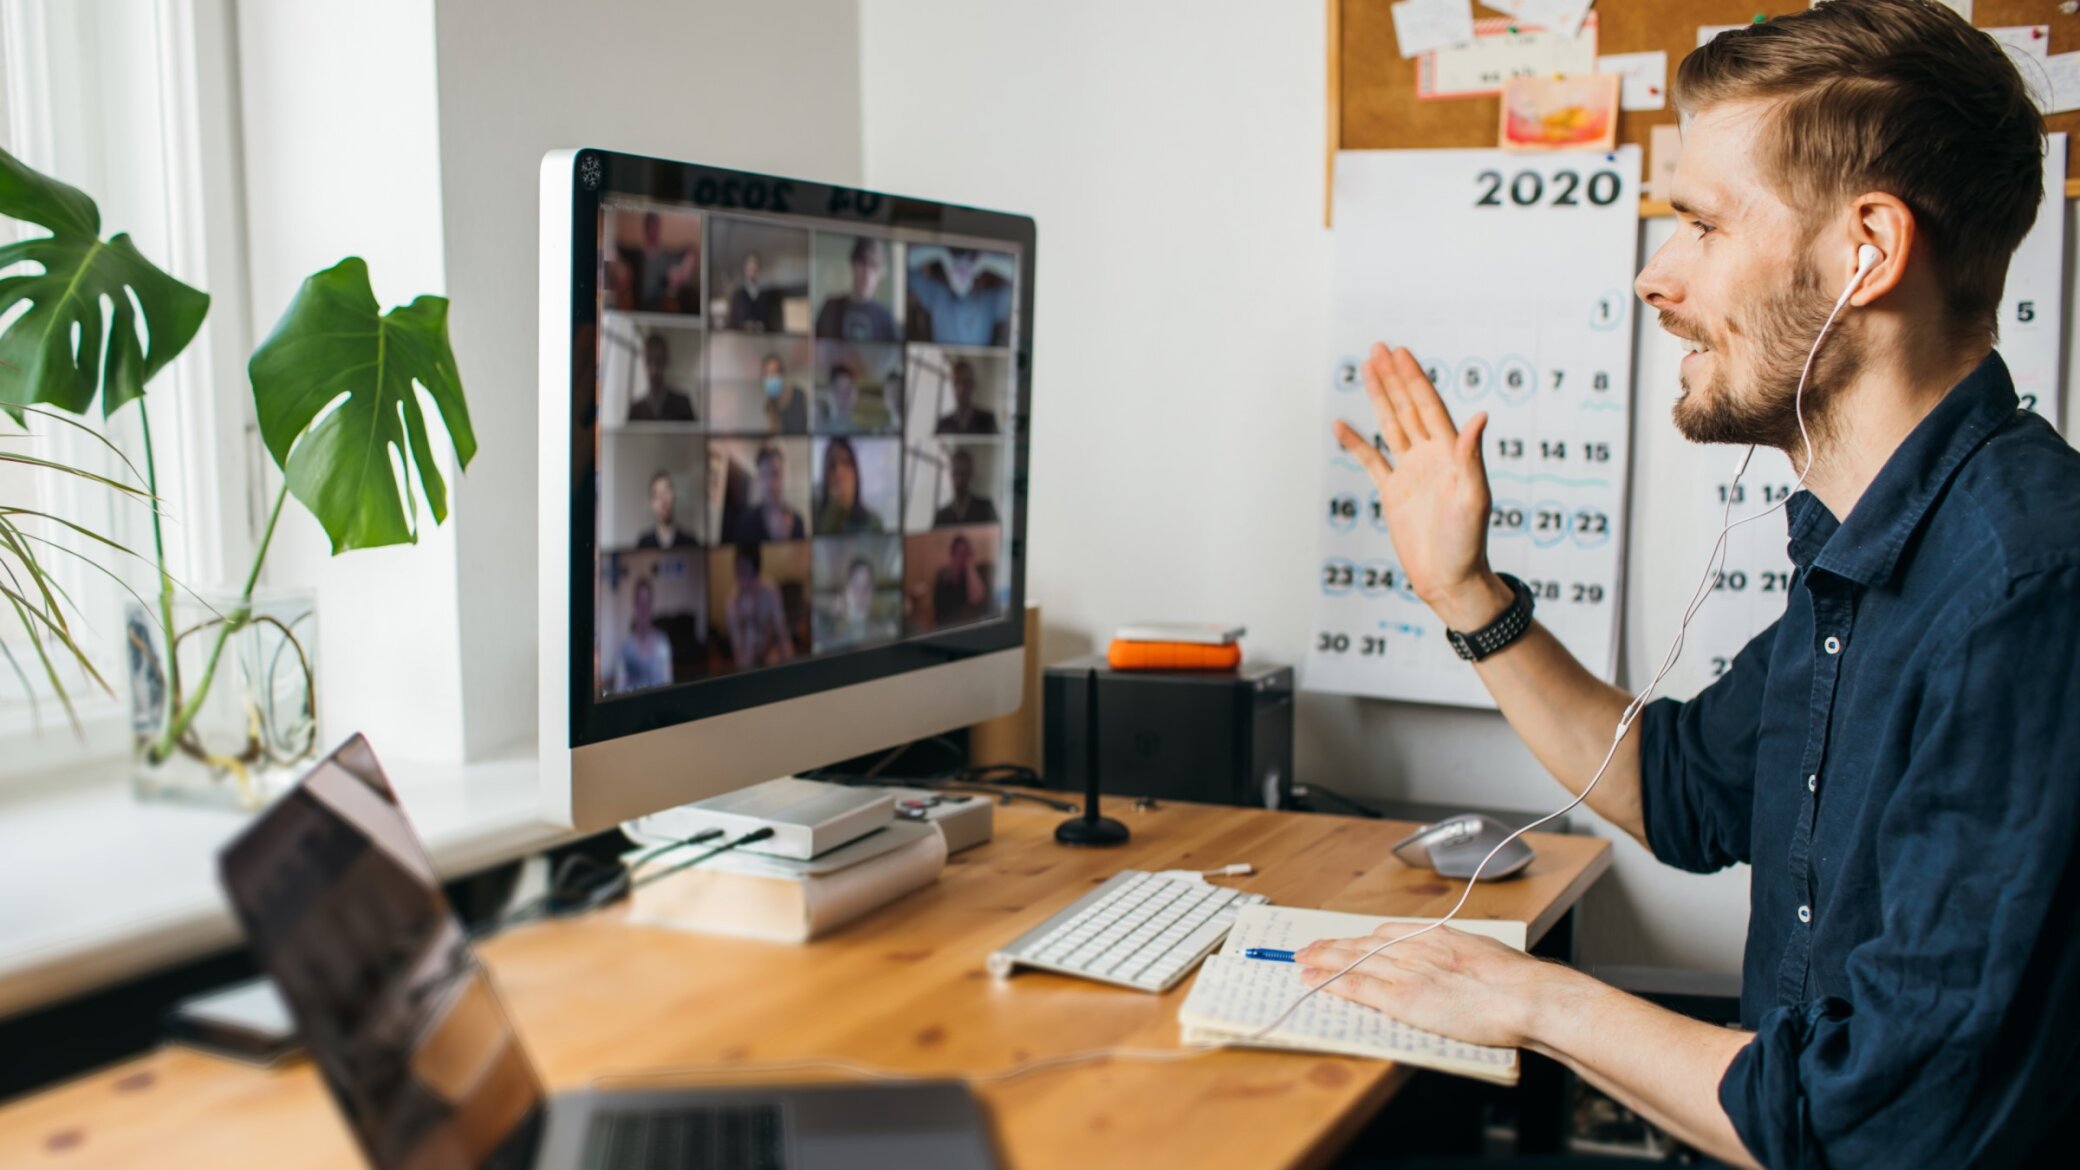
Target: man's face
751	268
962	472
662	499
1740	283
843	391
959	556
866	275
859	591
653	231
960	270
641	605
770	475
964	386
656	357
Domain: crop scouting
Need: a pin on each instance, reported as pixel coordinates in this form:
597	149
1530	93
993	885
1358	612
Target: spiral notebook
1233	997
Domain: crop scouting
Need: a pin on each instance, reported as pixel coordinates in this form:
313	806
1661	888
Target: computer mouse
1455	845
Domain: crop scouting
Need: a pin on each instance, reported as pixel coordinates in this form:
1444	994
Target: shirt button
1833	644
1805	913
1813	783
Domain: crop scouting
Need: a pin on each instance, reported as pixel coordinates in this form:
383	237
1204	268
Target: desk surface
904	988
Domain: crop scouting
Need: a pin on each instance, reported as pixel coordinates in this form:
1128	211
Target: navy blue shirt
1898	759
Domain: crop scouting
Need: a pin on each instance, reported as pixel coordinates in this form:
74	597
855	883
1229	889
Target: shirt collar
1866	547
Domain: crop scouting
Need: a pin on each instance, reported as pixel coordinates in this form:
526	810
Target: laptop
345	913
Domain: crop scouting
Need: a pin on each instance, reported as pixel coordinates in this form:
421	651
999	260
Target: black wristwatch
1502	631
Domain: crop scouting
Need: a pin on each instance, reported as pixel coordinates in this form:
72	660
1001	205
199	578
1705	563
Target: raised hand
1433	490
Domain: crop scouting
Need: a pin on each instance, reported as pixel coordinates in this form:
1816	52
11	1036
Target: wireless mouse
1455	845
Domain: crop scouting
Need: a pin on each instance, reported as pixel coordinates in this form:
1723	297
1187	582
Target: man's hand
1433	493
1465	986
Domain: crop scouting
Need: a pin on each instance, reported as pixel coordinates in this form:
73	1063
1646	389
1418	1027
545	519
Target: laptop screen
344	911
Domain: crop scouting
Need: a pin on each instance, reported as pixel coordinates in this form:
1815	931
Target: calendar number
1720	665
1509	448
1596	452
1730	580
1529	189
1573	592
2025	311
1776	582
1367	645
1339	575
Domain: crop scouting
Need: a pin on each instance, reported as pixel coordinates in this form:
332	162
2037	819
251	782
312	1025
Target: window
132	102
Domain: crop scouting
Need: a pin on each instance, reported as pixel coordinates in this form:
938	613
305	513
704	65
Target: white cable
1713	561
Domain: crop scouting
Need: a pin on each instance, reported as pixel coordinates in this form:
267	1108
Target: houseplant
333	393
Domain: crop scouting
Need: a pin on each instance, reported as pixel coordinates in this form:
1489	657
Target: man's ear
1886	223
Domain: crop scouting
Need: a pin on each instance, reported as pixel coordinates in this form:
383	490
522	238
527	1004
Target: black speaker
1214	737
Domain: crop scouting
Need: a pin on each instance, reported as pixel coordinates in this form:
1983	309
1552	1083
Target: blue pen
1267	953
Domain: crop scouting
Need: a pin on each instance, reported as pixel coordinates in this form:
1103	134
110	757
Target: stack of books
1175	646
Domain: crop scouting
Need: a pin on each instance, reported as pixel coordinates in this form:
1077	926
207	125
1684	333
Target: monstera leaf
57	351
334	388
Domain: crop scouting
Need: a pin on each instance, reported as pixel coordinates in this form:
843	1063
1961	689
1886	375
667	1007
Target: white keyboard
1139	930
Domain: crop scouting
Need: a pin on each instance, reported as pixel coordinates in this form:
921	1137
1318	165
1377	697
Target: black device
345	914
1091	828
1216	737
1497	635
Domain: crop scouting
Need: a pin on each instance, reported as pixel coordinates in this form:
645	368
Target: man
665	533
841	412
645	657
858	316
786	404
770	518
752	308
966	418
959	594
660	401
757	615
960	303
665	277
1896	756
965	507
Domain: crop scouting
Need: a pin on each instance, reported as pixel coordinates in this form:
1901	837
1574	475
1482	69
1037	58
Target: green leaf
333	389
57	352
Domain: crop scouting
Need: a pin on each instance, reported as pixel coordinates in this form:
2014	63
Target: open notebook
1234	996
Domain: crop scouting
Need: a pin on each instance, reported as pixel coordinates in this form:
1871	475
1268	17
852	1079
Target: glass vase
230	717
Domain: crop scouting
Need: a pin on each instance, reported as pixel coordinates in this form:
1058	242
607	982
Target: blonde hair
1899	96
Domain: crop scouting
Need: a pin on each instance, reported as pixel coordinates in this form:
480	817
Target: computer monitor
783	467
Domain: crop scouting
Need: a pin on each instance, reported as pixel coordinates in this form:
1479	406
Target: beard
1764	407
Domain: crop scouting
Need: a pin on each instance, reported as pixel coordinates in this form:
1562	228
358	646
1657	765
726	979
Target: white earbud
1867	256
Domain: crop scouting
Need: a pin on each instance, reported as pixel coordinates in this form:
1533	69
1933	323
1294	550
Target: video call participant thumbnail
967	416
656	265
653	619
661	399
765	511
858	591
861	312
966	507
856	485
665	532
950	576
857	378
761	273
763	607
960	296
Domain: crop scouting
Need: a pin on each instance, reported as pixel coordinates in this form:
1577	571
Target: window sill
104	887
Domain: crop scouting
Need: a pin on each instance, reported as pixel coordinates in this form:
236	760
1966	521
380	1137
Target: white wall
768	87
1172	154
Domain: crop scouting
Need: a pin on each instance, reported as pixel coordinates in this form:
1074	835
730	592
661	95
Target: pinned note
1643	78
1664	143
2024	40
1421	26
2058	88
1559	113
1502	49
1705	32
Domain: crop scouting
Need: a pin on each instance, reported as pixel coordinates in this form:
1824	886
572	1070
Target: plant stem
151	480
233	622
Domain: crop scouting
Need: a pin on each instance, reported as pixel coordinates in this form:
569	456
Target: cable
689	863
1631	712
605	891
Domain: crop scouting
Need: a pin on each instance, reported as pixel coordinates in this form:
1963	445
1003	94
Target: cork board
1372	90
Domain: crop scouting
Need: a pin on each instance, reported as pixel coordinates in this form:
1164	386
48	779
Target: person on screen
787	405
965	507
664	502
841	413
966	418
959	593
840	511
645	659
752	308
664	276
967	306
771	519
858	316
849	618
757	616
660	401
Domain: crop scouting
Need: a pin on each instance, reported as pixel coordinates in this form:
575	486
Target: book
1125	655
786	900
1197	633
1233	997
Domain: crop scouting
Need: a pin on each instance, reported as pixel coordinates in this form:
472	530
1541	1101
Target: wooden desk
904	988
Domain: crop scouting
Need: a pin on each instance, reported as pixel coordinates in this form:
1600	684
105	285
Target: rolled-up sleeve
1697	766
1952	1042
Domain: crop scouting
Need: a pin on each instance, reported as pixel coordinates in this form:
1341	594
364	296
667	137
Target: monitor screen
800	439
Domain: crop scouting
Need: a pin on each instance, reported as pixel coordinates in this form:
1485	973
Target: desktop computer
783	476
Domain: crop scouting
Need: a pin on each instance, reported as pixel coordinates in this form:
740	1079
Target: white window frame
136	102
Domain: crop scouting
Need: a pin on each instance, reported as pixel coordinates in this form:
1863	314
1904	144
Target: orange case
1173	656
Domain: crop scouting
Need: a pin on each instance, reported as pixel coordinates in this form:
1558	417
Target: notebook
1233	997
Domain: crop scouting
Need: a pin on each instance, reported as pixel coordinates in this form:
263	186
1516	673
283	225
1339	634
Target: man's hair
768	453
660	474
866	250
1899	96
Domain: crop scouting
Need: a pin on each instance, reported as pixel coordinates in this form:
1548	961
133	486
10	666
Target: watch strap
1492	638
